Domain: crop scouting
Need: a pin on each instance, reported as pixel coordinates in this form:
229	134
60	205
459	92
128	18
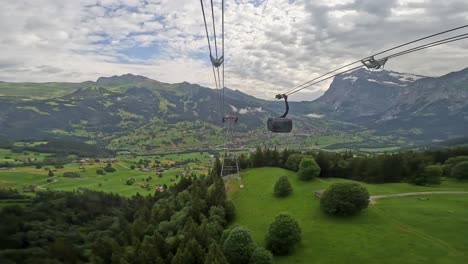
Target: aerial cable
380	62
216	62
430	45
222	45
425	46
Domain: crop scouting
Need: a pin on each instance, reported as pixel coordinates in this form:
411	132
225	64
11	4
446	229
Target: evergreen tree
215	254
282	187
239	246
283	235
460	171
261	256
308	169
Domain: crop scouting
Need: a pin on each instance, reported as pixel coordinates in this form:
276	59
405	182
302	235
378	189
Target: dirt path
373	199
118	163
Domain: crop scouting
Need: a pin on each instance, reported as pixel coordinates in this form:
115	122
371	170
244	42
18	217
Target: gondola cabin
280	124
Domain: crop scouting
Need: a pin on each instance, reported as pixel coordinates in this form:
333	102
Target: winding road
374	198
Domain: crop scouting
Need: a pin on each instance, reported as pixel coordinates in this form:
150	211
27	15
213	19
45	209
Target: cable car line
411	50
215	62
282	124
380	53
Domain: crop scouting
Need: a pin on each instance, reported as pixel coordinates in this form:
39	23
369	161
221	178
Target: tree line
418	167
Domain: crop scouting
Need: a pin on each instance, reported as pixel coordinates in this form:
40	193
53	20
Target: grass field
17	178
395	230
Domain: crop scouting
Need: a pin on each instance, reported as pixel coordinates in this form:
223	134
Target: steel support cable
430	45
425	46
222	44
322	80
214	29
417	40
376	54
209	48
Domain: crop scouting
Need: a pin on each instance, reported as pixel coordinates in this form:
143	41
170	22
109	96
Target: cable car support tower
229	159
230	162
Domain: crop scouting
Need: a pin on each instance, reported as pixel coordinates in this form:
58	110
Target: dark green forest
182	225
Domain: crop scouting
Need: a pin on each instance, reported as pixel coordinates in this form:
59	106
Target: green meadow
18	178
395	230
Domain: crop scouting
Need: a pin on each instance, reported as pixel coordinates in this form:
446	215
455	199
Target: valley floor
395	230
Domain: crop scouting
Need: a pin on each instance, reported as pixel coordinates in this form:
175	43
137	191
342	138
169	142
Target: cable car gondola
280	124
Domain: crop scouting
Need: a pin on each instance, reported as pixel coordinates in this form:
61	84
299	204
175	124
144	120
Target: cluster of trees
418	167
181	225
282	238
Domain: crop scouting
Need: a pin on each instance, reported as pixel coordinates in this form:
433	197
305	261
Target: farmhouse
319	193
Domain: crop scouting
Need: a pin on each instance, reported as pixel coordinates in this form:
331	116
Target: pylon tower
230	164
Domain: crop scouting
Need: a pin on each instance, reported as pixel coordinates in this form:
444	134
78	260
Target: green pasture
18	178
395	230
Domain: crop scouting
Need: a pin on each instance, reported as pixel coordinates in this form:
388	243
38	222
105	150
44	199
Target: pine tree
215	254
282	187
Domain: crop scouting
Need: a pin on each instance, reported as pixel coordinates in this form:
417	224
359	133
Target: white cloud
269	48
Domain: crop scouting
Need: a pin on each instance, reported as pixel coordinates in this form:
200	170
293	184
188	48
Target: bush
430	175
308	169
100	172
344	199
239	246
460	171
283	235
50	174
130	181
282	187
452	162
293	162
109	168
261	256
70	174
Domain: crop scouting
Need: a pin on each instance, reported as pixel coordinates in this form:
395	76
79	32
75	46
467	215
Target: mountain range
139	111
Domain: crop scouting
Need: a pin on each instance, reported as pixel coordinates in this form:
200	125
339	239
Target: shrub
100	172
283	235
430	175
130	181
460	171
293	162
308	169
70	174
132	167
452	162
282	187
50	174
239	246
109	168
344	199
261	256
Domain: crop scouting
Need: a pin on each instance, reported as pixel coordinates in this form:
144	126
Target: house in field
319	193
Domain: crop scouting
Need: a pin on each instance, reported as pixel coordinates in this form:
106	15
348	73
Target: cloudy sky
271	45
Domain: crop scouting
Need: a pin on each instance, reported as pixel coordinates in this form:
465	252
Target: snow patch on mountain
405	77
315	115
352	78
